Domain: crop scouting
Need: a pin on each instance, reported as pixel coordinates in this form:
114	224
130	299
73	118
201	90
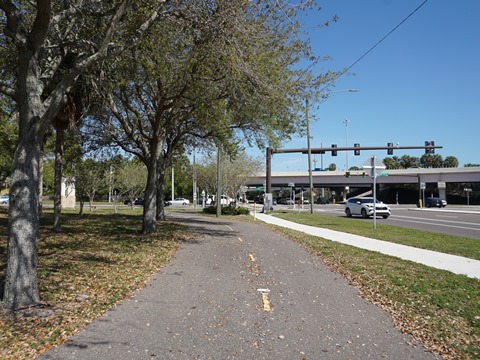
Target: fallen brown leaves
94	263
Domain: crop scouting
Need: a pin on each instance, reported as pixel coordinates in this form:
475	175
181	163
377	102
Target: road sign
291	184
373	166
467	189
422	186
383	174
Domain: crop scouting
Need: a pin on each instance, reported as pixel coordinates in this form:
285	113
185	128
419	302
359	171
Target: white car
224	200
4	199
364	207
179	201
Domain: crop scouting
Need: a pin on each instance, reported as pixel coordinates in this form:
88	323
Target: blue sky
421	83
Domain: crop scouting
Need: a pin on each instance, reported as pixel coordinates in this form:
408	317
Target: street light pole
346	121
173	182
310	178
218	198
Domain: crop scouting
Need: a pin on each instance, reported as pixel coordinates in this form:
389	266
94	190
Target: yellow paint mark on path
266	302
252	258
229	227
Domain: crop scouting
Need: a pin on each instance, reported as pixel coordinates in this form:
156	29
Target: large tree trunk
150	205
21	288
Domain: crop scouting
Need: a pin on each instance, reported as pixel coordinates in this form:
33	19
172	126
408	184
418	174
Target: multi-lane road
454	220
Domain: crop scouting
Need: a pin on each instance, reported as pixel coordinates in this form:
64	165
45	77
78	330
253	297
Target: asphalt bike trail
242	291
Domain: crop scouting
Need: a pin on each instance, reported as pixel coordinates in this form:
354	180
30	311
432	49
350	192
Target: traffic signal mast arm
351	148
429	149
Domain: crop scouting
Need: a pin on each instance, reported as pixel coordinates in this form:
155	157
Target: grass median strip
438	308
98	260
448	244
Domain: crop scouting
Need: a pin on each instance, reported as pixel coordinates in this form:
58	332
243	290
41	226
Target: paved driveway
241	291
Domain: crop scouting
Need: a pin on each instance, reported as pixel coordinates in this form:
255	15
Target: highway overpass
440	176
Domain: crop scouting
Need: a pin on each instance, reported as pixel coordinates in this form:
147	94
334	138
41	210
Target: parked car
435	202
224	200
4	199
322	200
364	206
137	201
179	201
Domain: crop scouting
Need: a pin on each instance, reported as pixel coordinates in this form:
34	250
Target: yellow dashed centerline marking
266	302
266	305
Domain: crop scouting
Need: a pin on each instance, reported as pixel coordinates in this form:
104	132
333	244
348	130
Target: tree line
408	161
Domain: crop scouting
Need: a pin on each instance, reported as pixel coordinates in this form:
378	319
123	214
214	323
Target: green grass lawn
448	244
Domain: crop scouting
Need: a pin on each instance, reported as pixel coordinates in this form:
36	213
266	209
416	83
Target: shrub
226	210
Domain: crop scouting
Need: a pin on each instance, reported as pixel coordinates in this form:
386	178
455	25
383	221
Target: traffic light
334	152
390	149
356	151
429	150
347	174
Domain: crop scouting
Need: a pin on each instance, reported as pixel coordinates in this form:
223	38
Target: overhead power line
389	33
374	46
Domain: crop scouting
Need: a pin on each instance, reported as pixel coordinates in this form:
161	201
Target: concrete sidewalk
453	263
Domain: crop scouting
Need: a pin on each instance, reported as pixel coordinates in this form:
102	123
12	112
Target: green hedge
226	210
